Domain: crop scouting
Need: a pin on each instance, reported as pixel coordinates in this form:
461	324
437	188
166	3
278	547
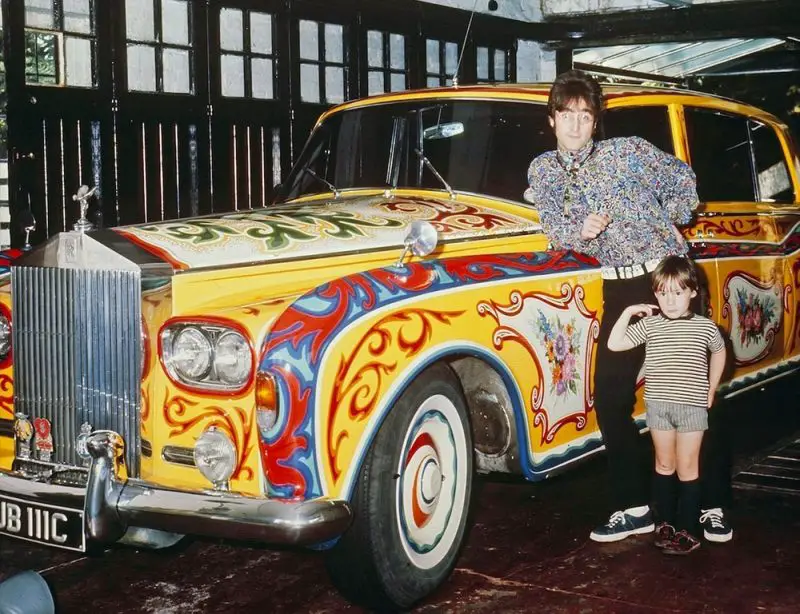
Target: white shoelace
616	518
714	515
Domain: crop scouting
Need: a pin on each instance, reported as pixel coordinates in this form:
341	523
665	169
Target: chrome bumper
111	506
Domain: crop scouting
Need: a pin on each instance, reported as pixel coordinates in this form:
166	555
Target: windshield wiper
432	169
330	186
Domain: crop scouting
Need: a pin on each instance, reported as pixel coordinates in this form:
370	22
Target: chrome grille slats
75	335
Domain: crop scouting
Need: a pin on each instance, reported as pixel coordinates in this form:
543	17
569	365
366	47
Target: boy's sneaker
665	533
682	543
715	529
622	525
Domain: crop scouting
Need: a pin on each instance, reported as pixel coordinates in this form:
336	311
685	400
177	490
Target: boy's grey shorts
664	416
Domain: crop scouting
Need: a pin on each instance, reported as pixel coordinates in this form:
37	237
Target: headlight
191	354
207	355
215	456
5	336
232	358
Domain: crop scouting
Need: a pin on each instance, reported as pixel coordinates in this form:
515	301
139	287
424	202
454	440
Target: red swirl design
234	422
365	385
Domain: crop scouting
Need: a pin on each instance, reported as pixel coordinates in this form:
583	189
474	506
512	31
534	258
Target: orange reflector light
266	392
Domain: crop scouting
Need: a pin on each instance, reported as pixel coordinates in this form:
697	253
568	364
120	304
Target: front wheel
411	501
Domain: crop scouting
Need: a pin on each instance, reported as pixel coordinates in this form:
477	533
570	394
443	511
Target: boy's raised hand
641	310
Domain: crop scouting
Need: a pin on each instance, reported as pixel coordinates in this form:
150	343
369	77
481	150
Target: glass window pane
141	68
139	20
500	65
41	58
39	14
309	40
334	84
398	82
262	78
374	48
397	51
177	71
375	82
309	83
450	57
175	22
232	77
433	82
78	16
483	63
334	43
261	33
231	37
78	54
432	56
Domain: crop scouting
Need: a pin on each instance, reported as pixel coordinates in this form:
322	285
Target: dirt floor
528	551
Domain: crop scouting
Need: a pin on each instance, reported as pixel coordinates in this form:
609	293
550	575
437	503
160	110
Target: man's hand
593	225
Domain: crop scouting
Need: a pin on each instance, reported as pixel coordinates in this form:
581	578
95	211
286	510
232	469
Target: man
619	201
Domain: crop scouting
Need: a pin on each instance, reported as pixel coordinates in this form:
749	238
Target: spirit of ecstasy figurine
84	193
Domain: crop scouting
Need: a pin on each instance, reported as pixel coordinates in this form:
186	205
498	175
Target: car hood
314	229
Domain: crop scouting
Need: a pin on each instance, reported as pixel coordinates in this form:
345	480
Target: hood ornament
84	193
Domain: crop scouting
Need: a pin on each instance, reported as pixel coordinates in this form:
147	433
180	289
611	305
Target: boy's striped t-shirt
676	357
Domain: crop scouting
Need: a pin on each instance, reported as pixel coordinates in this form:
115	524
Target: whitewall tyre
411	502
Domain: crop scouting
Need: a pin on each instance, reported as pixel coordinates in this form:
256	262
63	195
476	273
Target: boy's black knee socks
665	497
689	506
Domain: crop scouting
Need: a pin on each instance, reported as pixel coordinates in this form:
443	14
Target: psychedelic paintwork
313	230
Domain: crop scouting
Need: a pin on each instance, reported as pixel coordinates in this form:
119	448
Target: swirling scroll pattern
359	392
451	217
6	396
300	335
235	422
728	228
505	333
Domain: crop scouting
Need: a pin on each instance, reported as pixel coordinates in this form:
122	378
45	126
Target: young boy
680	382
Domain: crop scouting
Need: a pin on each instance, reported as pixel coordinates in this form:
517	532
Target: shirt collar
573	160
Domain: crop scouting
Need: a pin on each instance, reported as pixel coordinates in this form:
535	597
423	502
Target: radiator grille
77	353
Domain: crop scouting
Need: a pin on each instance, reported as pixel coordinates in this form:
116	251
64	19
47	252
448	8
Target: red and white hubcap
431	490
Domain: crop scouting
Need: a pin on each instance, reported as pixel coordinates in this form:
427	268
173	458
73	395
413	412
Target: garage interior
227	92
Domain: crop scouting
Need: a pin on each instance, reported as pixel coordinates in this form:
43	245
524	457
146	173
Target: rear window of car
650	122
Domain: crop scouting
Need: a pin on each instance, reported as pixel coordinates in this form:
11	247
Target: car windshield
476	146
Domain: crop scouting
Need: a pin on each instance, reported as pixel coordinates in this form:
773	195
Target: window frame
322	63
158	45
247	54
386	69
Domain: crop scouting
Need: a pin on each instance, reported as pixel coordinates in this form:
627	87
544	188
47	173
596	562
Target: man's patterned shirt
644	190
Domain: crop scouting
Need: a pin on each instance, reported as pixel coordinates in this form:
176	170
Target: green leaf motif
196	232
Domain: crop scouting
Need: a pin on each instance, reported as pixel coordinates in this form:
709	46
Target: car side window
719	147
651	123
774	183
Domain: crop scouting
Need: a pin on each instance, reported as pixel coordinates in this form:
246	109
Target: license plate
51	525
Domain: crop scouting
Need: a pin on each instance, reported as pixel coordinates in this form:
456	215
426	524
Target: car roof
538	92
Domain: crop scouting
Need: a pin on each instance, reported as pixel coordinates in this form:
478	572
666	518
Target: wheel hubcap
431	491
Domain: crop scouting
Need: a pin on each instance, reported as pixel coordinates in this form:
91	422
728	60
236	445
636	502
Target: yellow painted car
332	370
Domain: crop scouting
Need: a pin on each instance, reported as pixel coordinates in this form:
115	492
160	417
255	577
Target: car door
742	234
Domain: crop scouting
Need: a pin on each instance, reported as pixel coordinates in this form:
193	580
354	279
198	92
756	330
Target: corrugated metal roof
674	60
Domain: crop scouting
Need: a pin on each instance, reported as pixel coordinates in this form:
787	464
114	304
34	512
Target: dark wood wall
157	155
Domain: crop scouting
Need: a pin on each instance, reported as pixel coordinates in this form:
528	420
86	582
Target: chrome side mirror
421	240
28	224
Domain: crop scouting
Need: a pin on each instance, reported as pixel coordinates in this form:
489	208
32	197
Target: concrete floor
528	551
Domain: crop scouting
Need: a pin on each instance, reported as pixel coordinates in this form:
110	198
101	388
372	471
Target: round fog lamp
215	456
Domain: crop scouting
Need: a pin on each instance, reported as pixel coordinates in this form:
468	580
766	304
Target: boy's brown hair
575	85
678	270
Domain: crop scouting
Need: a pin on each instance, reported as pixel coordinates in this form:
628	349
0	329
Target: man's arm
565	230
672	179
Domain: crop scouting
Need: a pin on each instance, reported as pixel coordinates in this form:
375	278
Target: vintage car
331	371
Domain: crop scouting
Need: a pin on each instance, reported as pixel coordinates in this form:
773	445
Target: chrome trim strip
113	505
178	455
